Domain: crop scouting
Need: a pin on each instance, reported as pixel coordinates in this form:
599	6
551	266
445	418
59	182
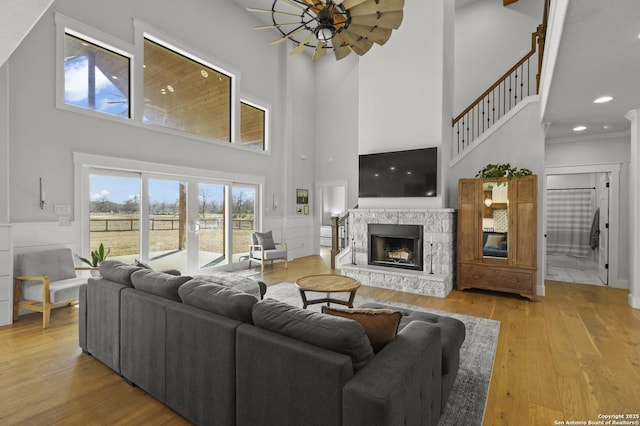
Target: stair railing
513	86
339	236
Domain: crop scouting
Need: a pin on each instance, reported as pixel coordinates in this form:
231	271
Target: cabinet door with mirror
497	234
495	219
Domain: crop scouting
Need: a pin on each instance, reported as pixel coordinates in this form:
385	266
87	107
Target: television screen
411	173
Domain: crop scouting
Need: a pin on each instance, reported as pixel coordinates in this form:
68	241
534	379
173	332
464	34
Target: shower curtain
569	219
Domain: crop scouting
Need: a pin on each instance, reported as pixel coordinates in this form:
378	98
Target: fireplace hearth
395	246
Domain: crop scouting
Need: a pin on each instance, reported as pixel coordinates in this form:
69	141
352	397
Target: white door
602	192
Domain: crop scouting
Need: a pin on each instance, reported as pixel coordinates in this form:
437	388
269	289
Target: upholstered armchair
45	280
263	249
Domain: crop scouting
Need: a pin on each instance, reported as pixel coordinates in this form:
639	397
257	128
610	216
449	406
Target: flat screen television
411	173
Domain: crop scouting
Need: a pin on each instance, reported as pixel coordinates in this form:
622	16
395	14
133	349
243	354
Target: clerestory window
185	94
253	126
96	77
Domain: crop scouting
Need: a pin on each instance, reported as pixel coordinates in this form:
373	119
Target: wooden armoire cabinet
498	234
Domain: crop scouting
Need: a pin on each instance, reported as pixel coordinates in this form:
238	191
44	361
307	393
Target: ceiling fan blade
320	51
295	4
372	7
358	44
286	37
251	9
340	50
382	20
300	47
263	27
348	4
376	35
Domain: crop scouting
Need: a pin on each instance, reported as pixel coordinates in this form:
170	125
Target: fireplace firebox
396	246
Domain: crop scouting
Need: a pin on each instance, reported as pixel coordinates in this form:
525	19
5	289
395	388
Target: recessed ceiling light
579	128
607	126
603	99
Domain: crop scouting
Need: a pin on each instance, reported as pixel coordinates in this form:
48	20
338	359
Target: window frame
135	53
143	31
86	164
66	25
266	108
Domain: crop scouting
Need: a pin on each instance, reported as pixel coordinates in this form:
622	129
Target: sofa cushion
381	325
265	239
338	334
218	299
117	271
145	265
235	281
158	283
453	332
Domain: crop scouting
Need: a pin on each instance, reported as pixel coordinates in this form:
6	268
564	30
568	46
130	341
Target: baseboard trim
634	301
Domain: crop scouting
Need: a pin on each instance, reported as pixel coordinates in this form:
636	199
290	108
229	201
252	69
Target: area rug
468	398
245	272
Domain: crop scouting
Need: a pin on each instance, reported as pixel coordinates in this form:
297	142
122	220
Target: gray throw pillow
337	334
265	239
117	271
218	299
159	283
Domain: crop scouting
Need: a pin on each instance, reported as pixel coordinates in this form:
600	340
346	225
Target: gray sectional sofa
211	349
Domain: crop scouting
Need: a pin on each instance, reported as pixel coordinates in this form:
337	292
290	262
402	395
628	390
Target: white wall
490	39
40	138
595	151
404	90
4	144
519	141
43	147
336	149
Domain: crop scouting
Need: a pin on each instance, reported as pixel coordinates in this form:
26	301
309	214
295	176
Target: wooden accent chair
263	249
45	280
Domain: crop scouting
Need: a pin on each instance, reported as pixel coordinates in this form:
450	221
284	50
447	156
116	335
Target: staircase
520	81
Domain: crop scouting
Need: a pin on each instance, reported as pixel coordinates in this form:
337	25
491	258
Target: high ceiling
599	54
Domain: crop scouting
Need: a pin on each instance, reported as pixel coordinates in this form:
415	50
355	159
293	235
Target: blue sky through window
108	98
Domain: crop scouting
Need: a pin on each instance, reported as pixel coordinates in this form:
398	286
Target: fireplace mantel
439	240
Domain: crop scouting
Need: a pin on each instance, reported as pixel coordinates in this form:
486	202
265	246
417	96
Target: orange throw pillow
380	325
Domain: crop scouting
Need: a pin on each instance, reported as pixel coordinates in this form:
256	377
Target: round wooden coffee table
327	283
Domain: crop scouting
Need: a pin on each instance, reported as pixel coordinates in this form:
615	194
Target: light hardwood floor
572	355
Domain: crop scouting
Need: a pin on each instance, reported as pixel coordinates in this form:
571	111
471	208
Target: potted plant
502	170
97	257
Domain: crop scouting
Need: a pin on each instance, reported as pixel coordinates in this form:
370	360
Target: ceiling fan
341	25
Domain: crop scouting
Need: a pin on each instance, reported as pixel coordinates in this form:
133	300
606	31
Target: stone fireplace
395	246
432	252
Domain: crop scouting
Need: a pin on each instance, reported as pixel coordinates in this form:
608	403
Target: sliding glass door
243	214
114	214
211	225
191	225
168	232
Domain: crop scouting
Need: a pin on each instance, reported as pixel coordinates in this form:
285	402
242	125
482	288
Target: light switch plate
62	209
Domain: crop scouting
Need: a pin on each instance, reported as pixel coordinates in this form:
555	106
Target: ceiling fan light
324	32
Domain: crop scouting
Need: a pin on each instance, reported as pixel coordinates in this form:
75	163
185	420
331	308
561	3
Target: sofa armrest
402	383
